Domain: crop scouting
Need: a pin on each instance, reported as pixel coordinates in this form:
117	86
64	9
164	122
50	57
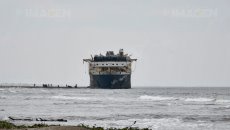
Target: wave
12	91
223	108
227	107
199	99
70	98
206	118
155	124
2	97
4	118
222	101
44	91
2	89
156	98
60	103
206	100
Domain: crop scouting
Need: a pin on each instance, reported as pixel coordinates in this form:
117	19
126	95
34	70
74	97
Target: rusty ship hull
110	71
110	81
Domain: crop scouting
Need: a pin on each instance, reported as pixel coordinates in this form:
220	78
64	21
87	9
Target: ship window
102	64
117	64
112	64
122	64
106	64
97	64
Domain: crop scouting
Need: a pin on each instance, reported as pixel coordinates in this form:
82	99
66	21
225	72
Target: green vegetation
100	128
8	125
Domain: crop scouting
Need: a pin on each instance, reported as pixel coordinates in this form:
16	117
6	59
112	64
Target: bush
8	125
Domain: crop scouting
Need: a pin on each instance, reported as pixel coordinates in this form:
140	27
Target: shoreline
43	87
6	125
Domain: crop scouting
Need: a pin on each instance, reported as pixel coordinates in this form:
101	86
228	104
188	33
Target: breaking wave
199	99
156	98
155	124
227	107
223	101
206	100
12	91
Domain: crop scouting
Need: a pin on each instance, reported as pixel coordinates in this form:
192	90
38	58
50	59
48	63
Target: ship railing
90	60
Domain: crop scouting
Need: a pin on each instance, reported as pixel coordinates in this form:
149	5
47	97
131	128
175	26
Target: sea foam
156	98
199	99
222	101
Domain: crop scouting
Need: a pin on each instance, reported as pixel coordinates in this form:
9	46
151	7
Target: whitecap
4	118
161	124
199	99
2	89
12	91
227	107
222	101
156	98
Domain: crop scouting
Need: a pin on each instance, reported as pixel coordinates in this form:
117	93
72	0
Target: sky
176	42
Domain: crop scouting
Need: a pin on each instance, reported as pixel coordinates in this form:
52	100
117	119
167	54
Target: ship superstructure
112	71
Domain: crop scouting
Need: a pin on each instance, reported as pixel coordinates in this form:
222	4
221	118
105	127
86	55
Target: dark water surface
156	108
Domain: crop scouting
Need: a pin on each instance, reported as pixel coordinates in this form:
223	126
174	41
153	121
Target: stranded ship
112	71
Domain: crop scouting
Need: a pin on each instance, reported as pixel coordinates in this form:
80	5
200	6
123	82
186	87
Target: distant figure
75	86
34	85
45	85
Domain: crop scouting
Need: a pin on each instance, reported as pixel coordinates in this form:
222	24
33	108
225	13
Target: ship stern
110	81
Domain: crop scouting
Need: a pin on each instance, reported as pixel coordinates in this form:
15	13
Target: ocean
155	108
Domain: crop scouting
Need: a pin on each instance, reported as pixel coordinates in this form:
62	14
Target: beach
155	108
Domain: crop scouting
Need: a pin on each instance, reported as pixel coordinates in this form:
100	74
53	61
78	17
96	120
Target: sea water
155	108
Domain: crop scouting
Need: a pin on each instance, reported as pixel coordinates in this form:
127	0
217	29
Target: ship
110	71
